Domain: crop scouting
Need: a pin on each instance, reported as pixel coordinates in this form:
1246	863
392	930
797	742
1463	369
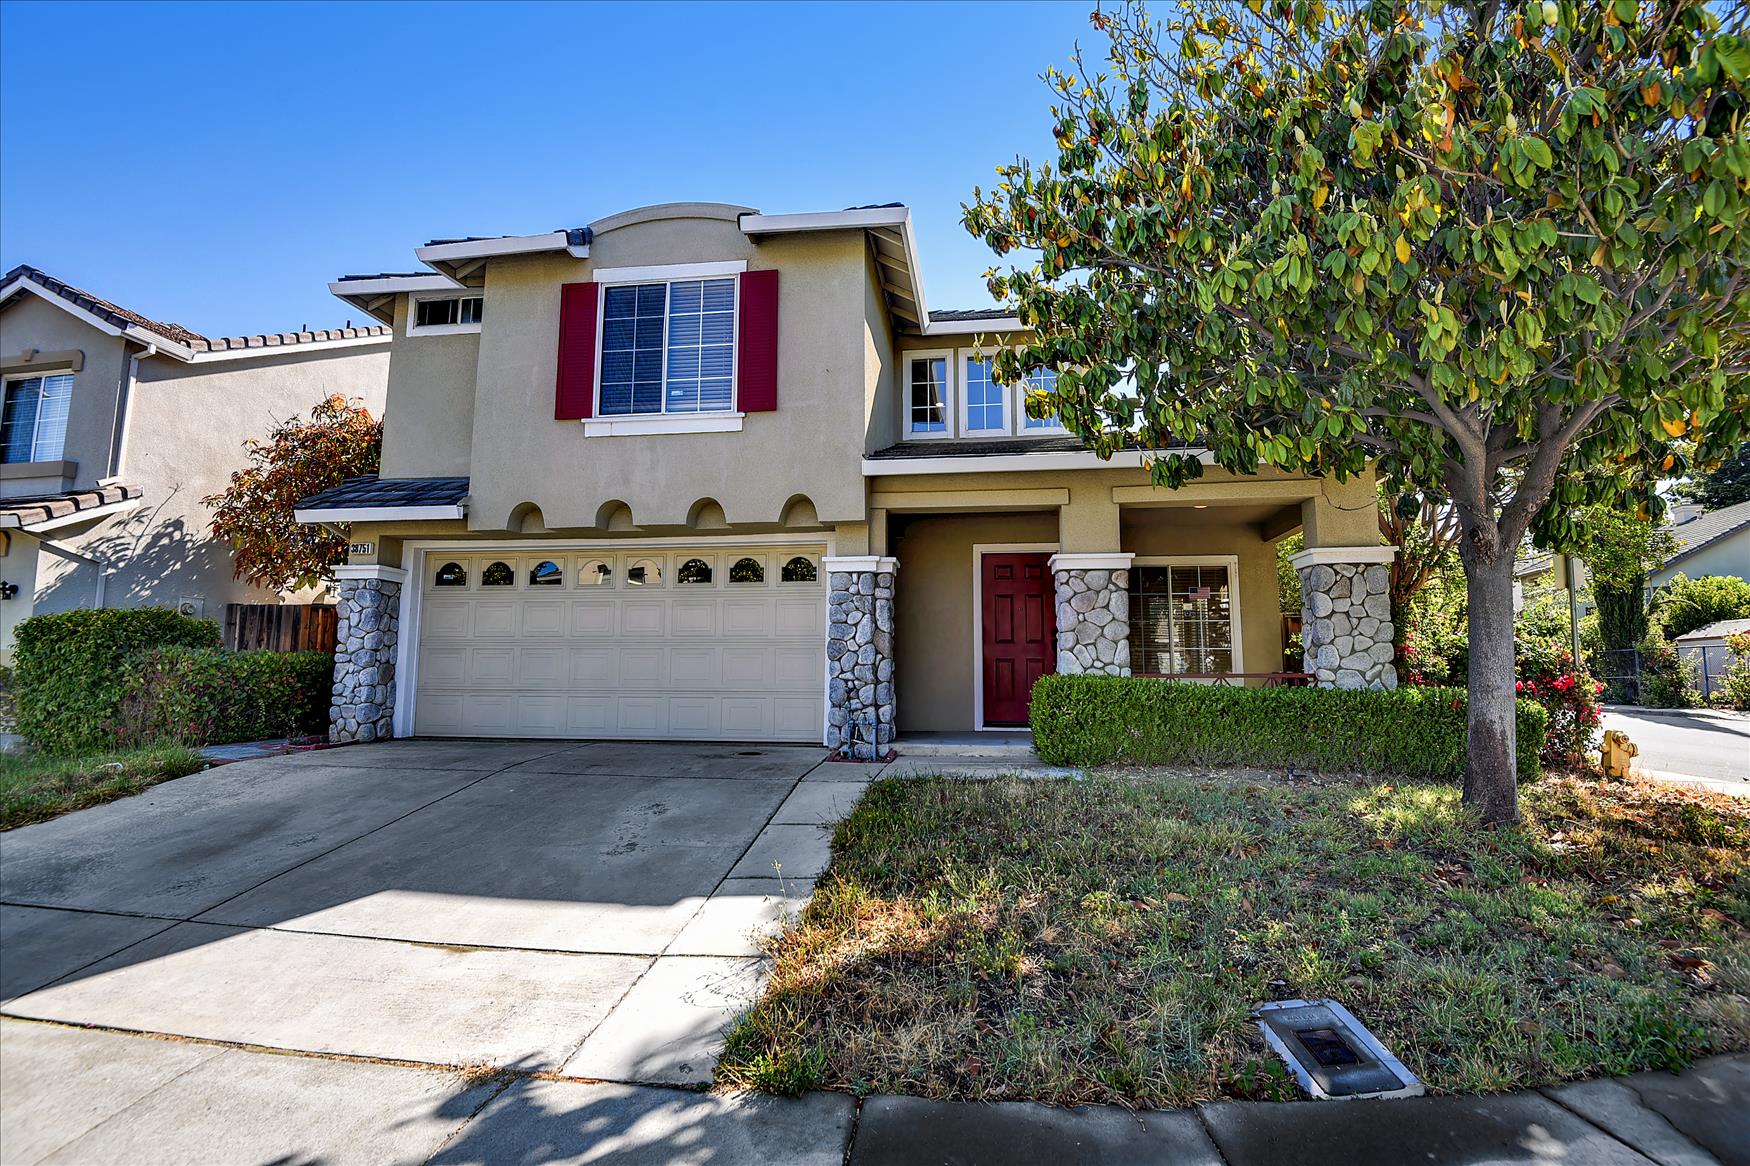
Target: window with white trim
668	348
928	400
446	315
987	402
1182	618
33	419
1040	380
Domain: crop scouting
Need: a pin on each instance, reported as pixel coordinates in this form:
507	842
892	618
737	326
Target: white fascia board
131	332
509	245
1085	459
886	216
381	514
394	285
973	327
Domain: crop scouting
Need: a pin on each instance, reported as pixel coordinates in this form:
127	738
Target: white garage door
691	645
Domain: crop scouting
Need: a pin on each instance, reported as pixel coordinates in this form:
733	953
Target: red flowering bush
1569	694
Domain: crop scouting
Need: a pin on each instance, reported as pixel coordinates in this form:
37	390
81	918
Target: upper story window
955	394
445	315
668	347
33	420
927	400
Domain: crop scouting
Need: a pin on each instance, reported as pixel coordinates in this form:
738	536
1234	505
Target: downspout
124	399
66	552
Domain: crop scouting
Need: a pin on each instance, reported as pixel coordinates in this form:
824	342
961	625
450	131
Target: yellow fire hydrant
1618	753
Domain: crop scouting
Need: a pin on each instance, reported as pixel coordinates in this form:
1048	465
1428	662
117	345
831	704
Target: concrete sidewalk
85	1096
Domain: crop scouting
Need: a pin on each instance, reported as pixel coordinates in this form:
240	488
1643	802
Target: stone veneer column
1093	613
860	714
363	706
1346	631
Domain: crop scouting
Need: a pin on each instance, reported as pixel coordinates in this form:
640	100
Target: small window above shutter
756	356
574	391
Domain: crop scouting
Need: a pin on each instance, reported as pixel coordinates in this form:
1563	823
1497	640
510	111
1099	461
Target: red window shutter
756	348
574	393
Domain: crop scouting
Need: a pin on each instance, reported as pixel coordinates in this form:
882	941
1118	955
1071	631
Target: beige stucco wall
1729	556
18	556
186	428
933	616
29	321
431	380
810	445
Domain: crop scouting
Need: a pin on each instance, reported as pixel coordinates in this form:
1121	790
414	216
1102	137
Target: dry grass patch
1104	940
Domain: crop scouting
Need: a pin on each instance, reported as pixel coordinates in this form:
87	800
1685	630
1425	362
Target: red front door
1020	630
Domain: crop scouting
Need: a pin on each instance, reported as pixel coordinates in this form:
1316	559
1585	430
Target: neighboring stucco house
1711	542
699	472
113	428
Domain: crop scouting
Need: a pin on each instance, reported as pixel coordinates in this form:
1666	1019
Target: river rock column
1345	616
861	713
363	705
1093	613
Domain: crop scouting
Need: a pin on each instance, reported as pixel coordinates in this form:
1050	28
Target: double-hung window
33	420
927	397
668	347
1040	380
1182	617
987	402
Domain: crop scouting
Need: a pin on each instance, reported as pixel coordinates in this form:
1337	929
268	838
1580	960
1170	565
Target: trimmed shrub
1685	605
68	673
210	696
1410	732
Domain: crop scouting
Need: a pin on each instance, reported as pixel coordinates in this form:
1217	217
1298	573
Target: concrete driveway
586	909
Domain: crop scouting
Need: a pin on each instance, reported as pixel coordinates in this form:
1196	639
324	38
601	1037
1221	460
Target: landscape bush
1685	605
1409	732
69	678
1667	679
210	696
1735	684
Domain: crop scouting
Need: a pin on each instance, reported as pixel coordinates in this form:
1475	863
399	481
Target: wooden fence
277	627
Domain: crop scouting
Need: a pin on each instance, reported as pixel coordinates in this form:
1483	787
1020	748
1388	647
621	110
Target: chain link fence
1620	670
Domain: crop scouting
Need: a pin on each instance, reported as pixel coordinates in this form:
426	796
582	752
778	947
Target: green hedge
1409	732
68	673
210	696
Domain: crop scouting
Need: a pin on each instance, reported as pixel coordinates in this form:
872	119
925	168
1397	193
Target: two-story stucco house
699	472
114	426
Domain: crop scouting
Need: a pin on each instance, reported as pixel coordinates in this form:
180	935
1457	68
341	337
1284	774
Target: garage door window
747	570
451	575
799	570
644	573
694	572
546	573
596	573
498	575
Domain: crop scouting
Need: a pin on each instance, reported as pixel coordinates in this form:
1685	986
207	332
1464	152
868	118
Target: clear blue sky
216	165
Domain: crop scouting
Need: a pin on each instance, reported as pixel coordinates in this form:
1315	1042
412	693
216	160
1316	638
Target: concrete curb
1635	710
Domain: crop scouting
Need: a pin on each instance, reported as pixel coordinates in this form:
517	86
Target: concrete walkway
81	1096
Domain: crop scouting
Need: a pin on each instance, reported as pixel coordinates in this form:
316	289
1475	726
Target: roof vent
1332	1054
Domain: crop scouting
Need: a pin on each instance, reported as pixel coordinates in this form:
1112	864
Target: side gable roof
172	339
1706	529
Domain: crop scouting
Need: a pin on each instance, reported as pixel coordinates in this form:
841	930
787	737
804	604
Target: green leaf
1538	151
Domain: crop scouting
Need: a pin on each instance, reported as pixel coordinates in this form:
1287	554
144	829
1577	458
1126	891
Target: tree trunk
1491	782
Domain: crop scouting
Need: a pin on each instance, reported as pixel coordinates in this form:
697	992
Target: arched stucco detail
799	511
721	211
614	515
526	518
706	514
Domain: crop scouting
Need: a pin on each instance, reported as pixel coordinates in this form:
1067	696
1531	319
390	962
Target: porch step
1009	745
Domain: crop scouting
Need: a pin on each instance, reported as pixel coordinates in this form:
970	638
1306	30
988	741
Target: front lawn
35	787
1103	940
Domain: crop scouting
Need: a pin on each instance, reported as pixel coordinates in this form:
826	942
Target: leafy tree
1727	484
273	549
1684	604
1498	249
1620	551
1426	535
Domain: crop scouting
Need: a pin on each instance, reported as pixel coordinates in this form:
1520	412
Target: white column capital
1094	561
1326	556
861	564
371	571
